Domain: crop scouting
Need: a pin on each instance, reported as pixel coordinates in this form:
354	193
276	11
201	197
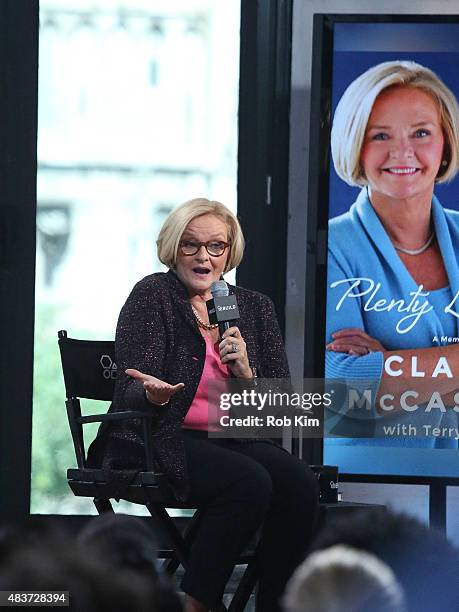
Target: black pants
242	485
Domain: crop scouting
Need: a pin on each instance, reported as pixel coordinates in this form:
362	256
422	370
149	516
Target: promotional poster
393	308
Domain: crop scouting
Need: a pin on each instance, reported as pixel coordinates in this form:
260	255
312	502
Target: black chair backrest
90	371
89	367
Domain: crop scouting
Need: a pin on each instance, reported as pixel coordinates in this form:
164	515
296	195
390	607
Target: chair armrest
124	415
143	415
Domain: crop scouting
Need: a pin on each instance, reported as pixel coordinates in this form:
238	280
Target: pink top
198	415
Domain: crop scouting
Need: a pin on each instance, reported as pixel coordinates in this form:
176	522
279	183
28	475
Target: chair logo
109	367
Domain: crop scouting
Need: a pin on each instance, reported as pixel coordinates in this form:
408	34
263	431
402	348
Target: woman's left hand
354	341
233	352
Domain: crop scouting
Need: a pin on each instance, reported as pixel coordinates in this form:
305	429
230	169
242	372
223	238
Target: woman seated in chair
167	351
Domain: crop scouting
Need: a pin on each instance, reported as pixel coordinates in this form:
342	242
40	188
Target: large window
137	113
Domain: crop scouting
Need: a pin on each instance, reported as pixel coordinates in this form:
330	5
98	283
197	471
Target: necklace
417	251
202	323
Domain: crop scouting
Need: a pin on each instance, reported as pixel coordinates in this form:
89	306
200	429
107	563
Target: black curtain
264	107
18	169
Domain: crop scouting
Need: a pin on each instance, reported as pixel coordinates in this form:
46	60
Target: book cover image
393	250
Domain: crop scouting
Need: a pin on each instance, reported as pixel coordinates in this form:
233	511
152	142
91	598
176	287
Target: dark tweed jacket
157	334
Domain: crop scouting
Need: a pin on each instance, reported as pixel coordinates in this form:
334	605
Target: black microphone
222	308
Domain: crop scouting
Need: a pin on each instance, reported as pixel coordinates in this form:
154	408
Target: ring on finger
234	347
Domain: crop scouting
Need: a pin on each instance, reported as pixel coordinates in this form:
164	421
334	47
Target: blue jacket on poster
370	288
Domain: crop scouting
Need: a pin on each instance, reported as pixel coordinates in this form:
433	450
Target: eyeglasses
216	248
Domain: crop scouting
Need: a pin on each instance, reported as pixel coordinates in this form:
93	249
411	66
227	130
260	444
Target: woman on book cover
393	274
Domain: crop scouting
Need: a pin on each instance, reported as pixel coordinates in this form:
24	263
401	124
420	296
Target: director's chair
89	369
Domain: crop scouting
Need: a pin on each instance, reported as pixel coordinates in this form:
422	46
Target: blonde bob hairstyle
175	224
354	109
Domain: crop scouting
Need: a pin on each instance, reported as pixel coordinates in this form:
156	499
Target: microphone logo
222	308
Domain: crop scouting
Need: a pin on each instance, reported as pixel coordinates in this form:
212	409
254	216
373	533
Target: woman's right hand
157	391
354	341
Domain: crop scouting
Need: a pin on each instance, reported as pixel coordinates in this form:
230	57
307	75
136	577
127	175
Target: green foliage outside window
52	448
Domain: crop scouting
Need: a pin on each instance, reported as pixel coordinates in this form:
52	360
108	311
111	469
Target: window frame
264	93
